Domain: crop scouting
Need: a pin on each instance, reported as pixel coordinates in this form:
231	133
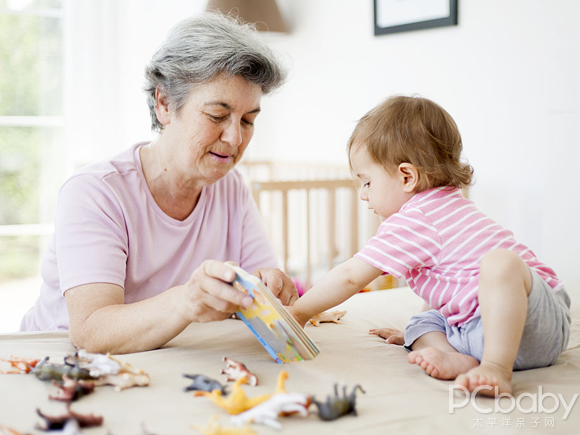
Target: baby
476	278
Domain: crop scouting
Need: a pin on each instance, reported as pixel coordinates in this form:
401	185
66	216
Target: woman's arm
101	322
335	287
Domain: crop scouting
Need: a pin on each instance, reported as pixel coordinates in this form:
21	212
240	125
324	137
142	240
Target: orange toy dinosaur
238	402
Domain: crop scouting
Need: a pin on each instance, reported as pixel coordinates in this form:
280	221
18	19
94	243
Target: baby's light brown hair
417	131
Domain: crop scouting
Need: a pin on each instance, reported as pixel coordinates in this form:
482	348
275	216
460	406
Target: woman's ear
409	176
162	107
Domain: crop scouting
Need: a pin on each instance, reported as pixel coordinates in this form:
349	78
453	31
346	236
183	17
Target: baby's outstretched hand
391	336
294	314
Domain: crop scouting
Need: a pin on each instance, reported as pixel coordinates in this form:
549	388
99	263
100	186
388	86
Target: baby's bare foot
391	336
487	374
440	364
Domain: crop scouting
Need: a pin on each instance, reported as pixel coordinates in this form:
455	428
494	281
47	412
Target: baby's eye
367	184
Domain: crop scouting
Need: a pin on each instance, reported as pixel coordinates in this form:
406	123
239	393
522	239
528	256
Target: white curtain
107	45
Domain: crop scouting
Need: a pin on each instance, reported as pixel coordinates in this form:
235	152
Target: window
32	147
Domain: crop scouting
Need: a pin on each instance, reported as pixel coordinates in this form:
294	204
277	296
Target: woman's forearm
126	328
100	321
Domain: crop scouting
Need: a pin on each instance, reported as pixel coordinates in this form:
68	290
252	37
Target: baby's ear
409	176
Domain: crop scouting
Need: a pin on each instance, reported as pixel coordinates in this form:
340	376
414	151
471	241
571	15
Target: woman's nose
232	134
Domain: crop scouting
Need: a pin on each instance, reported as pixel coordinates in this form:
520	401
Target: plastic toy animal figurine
237	370
122	381
238	402
5	430
111	371
204	383
59	421
337	406
46	372
71	427
215	428
126	367
327	317
71	389
21	365
96	363
268	412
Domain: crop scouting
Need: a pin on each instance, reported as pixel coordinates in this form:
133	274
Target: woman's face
212	130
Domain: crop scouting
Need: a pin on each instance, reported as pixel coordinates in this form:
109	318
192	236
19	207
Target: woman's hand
279	284
209	294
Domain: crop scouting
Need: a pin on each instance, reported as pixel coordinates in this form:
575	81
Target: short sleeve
404	242
91	237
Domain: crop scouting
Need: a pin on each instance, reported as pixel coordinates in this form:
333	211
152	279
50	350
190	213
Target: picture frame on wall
394	16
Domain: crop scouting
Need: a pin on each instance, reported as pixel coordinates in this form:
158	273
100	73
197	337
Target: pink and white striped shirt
436	242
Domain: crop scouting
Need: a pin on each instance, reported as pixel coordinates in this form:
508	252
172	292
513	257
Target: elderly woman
141	240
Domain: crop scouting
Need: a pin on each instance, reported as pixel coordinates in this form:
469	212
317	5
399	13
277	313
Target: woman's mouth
220	157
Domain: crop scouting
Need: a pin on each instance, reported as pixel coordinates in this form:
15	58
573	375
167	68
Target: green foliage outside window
19	170
31	85
30	65
20	256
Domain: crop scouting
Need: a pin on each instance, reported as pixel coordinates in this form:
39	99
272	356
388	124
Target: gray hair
200	48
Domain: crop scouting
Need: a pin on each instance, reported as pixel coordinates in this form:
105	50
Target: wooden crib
313	215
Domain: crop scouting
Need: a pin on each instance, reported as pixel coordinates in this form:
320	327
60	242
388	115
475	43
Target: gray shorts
545	337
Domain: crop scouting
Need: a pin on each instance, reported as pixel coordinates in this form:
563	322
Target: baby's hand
391	336
294	314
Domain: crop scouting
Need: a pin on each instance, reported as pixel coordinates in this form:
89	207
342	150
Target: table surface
399	397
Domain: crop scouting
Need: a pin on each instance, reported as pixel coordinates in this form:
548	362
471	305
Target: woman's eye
247	122
216	118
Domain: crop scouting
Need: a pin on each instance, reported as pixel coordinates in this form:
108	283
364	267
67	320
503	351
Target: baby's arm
335	287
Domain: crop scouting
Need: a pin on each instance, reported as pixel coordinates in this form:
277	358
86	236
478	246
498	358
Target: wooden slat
331	187
308	247
332	250
354	222
302	184
285	227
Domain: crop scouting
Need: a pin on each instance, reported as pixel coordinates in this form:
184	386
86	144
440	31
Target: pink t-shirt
436	242
109	229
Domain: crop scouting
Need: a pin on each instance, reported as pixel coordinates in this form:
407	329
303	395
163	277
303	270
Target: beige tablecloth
399	397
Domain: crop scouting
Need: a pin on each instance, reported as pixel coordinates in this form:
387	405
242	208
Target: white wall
508	74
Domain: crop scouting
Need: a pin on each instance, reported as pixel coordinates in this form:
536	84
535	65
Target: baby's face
385	193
